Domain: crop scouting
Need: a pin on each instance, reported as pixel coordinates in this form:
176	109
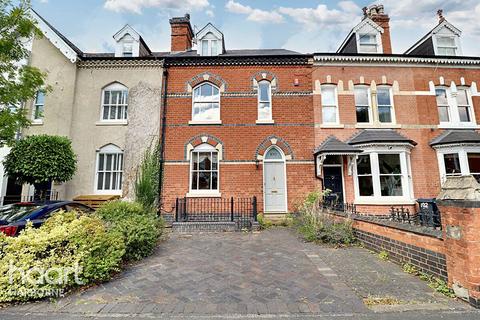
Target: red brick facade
243	141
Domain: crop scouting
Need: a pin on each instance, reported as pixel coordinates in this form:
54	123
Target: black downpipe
163	129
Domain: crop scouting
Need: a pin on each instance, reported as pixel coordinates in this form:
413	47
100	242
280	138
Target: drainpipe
163	110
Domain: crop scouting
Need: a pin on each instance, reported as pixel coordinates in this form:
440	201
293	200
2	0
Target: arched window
206	103
204	169
109	170
114	102
274	154
264	100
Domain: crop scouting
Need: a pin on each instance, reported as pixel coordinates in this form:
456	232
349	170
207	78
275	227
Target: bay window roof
455	137
379	136
332	145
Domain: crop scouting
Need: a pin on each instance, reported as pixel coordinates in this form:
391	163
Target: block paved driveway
271	274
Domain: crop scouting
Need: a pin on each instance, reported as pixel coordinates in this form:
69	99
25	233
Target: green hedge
65	241
140	227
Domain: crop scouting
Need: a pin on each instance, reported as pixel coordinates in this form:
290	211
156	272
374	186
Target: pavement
267	275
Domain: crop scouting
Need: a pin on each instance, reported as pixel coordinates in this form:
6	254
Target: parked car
14	217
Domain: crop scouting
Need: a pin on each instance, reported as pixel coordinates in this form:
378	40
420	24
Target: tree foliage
19	82
42	158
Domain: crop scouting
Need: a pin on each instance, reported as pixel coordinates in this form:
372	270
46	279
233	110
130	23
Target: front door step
226	226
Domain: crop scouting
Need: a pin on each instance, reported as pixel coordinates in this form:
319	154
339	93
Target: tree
41	159
18	82
147	181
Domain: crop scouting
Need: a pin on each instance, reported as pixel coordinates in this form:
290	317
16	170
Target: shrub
139	227
75	249
314	224
147	181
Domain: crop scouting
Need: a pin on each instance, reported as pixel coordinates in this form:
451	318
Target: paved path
271	274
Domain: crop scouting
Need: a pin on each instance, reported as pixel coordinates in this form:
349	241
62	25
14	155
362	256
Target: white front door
275	193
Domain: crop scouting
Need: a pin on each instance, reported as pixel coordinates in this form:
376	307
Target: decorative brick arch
273	140
201	139
206	77
264	75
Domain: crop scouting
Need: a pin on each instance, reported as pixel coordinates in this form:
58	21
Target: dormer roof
350	44
210	29
128	34
427	44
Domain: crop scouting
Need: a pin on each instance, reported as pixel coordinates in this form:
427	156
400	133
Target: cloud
322	16
255	15
136	6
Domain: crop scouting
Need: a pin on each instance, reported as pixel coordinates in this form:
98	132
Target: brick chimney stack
377	14
181	33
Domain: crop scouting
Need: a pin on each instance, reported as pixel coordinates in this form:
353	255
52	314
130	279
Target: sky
305	26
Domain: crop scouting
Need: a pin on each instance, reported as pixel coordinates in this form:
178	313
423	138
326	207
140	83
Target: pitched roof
435	29
378	135
59	34
456	136
333	145
241	53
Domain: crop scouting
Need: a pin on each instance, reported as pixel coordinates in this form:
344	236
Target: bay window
204	172
383	174
329	104
206	103
459	161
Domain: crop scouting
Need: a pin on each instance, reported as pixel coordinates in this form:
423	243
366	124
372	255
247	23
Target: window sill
378	126
38	122
204	195
390	201
109	193
458	126
332	125
265	121
112	123
193	122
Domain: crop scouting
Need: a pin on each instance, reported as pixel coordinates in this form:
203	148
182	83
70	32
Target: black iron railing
425	218
243	211
348	208
50	195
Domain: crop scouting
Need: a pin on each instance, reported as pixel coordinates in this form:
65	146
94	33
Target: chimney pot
441	18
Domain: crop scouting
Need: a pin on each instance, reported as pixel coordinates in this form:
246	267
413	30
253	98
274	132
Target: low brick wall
423	259
421	247
190	227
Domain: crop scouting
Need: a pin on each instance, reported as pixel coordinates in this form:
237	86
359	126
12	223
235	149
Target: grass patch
381	301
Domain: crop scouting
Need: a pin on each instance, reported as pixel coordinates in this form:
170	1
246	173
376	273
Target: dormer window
209	41
446	46
128	49
367	43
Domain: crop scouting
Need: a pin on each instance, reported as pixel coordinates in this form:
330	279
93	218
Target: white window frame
392	106
127	49
405	165
36	106
114	87
454	47
462	152
110	149
204	147
209	52
215	121
378	44
270	118
370	107
335	105
453	109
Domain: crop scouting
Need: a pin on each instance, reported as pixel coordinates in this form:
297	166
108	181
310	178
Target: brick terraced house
376	127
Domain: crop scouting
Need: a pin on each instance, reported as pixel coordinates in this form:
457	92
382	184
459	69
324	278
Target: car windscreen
16	212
